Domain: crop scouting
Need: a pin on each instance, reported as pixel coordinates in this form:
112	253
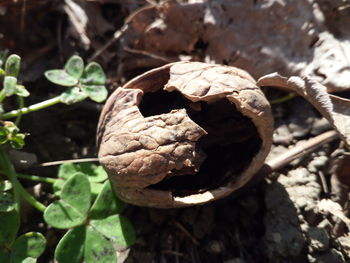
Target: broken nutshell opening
231	143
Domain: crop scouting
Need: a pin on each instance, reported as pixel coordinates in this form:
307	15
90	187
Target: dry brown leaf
258	36
335	109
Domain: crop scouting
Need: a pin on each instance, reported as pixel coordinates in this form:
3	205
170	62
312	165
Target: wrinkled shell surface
139	152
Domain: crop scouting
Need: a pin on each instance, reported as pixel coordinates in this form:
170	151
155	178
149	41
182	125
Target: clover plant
86	206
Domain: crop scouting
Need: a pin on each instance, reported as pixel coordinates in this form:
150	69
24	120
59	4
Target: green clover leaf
72	209
93	75
106	203
11	87
73	95
28	247
74	67
61	77
12	65
9	225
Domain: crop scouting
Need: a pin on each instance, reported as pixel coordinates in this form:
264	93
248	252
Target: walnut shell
184	134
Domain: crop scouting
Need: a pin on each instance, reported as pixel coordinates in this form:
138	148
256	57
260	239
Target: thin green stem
20	106
283	99
34	107
10	172
2	95
36	178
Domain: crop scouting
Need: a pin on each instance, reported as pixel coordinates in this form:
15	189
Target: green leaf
28	260
73	95
29	245
70	249
66	170
61	215
98	248
93	75
21	91
10	85
97	93
75	67
117	228
2	72
77	192
95	172
61	77
9	224
57	187
6	202
96	189
106	203
17	141
72	209
12	65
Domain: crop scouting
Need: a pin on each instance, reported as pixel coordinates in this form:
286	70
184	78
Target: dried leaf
335	109
247	34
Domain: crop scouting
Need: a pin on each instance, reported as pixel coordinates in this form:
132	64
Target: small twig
148	54
78	19
117	34
287	157
185	231
323	182
83	160
301	150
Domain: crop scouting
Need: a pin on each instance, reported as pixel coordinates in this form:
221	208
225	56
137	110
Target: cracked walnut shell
183	134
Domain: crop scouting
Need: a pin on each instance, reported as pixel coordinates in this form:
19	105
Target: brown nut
184	134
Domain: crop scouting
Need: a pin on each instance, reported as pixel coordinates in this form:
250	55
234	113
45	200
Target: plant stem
18	188
2	95
34	107
20	105
283	99
8	171
36	178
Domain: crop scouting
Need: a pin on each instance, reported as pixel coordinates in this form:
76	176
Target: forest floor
274	219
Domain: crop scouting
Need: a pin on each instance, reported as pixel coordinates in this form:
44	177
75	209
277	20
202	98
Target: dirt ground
277	218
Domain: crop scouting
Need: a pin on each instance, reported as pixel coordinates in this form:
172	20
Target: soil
272	219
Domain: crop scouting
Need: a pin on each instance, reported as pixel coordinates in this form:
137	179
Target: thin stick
116	36
148	54
84	160
323	182
184	230
301	150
